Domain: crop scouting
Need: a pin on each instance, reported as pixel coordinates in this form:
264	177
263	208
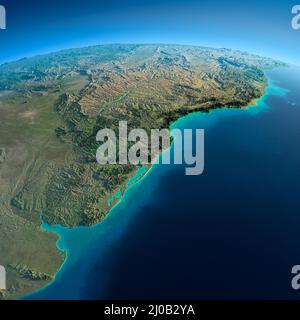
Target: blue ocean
231	233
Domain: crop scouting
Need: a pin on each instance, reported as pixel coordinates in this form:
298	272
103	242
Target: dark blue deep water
232	232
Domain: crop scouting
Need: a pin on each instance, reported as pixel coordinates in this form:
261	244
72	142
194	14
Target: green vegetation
51	108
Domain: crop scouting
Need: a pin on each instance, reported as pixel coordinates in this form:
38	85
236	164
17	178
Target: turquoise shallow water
118	195
124	246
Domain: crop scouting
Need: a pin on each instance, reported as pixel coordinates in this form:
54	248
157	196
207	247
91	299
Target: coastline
270	89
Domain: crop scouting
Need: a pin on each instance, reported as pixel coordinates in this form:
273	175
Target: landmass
53	105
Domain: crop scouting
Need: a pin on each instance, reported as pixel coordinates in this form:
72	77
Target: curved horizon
129	43
259	28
